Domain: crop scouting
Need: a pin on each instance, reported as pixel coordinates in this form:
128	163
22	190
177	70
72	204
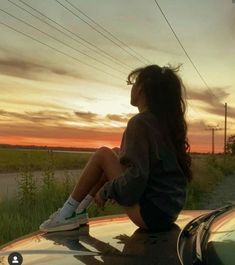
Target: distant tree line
36	147
230	147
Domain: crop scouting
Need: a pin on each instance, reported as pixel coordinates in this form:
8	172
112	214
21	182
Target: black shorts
155	219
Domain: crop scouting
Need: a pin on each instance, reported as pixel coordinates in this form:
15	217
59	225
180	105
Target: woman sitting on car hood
148	176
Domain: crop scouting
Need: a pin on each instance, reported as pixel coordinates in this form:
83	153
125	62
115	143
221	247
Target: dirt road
8	182
224	192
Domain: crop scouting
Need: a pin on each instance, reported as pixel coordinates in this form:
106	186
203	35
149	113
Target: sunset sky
63	68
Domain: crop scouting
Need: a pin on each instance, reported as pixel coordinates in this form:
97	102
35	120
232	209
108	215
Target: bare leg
103	179
98	185
103	165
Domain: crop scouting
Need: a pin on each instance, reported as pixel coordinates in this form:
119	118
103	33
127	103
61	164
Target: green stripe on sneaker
72	216
82	212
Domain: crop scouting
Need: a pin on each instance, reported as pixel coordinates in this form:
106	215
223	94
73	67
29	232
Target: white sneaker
58	223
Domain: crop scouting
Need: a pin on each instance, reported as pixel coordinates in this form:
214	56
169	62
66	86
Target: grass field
18	160
208	171
17	220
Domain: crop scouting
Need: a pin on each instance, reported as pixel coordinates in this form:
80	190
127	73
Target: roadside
8	183
222	194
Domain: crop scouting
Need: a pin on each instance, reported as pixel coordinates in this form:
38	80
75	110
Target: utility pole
225	128
213	129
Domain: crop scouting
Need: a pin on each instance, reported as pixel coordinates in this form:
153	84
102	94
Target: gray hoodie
152	169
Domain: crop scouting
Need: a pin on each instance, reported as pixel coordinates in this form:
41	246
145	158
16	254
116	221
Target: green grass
17	219
14	160
208	172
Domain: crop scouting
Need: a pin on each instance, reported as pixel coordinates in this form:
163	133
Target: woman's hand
99	201
112	201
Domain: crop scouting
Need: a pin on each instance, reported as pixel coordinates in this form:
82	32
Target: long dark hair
163	90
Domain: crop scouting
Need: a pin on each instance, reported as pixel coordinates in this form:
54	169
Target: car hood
108	240
221	239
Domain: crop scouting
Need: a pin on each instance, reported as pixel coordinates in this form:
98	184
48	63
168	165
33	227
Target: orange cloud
59	136
52	128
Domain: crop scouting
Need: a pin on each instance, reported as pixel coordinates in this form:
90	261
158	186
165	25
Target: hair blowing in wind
164	93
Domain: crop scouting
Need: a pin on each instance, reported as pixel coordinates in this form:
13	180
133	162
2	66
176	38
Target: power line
55	49
64	43
189	58
186	53
99	31
182	48
101	51
79	10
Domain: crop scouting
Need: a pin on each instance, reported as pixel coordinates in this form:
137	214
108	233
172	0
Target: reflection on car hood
107	240
221	240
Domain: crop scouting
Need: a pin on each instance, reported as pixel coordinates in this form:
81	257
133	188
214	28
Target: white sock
69	207
84	203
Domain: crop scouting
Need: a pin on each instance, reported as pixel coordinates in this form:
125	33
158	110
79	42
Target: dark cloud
37	117
30	70
88	116
197	126
59	117
214	98
219	110
41	72
215	95
198	130
120	118
32	103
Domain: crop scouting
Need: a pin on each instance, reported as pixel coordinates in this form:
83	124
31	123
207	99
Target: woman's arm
127	188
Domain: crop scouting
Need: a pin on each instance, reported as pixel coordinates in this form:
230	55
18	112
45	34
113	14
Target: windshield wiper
202	232
203	228
200	226
192	226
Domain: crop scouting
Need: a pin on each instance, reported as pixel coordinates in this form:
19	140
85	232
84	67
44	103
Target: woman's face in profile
135	94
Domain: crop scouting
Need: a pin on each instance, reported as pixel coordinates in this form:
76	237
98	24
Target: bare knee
103	152
116	150
104	149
